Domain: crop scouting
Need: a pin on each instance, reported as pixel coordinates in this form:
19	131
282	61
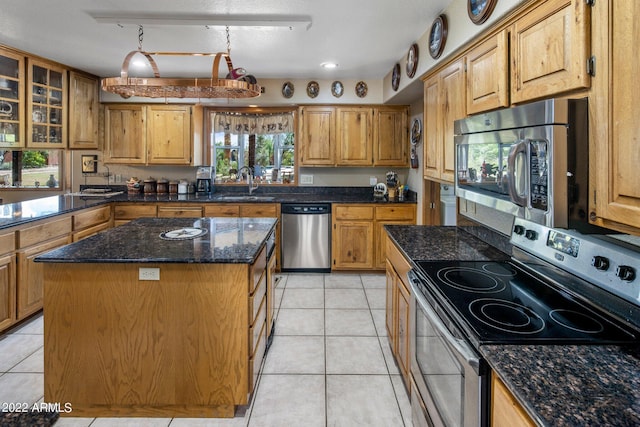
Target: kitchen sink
246	198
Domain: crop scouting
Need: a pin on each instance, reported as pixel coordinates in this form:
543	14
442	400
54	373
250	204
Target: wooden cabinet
505	410
91	221
397	308
46	105
488	74
125	212
444	102
221	210
317	136
12	107
354	136
179	211
614	110
33	241
148	134
550	47
169	134
7	280
271	294
358	233
84	102
391	136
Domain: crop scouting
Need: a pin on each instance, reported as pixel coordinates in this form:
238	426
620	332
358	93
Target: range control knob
531	234
626	273
600	263
518	229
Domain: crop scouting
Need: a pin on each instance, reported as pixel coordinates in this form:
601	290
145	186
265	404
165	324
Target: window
30	168
263	142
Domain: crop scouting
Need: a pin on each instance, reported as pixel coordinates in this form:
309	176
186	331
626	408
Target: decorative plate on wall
337	89
361	89
416	131
412	60
287	89
480	10
313	89
395	77
438	36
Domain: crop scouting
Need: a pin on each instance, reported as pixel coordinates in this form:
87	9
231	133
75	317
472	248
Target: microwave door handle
516	150
462	347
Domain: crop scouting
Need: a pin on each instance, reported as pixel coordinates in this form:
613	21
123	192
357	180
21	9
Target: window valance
253	124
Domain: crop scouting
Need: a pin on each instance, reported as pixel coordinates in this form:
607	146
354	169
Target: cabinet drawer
258	326
43	232
400	264
255	360
134	211
179	212
396	212
223	210
353	212
91	217
257	270
90	231
259	210
7	243
255	299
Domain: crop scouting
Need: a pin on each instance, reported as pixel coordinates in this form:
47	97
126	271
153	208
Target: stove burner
506	316
576	321
500	269
470	280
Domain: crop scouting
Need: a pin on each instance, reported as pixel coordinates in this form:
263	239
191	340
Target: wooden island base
187	345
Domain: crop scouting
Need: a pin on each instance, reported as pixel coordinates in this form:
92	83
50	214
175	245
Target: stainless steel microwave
530	161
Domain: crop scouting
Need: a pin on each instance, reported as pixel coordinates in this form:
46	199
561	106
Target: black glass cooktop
502	303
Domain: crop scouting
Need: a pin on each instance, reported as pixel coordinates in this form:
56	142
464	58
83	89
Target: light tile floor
330	363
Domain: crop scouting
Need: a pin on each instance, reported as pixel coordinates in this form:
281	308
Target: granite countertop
226	240
558	385
572	385
13	214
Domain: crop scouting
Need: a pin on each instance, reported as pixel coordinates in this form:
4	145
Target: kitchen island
158	318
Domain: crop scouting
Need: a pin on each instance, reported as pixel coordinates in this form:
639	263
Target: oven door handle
462	347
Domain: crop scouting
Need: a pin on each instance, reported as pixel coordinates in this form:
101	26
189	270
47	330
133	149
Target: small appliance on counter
204	179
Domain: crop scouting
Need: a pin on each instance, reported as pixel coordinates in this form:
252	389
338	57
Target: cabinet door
550	47
30	276
505	409
11	100
317	136
433	127
616	129
353	245
391	139
452	102
46	105
390	305
381	237
355	132
271	293
221	210
125	136
403	329
169	134
7	291
84	100
488	74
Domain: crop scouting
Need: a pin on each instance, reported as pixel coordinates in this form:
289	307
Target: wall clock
438	36
412	60
480	10
395	77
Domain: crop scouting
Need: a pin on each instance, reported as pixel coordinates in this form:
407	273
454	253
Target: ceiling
365	37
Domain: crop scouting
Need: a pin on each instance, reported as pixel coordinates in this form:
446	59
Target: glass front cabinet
47	96
11	100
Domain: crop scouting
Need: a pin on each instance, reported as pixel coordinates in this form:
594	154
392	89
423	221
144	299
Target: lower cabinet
7	280
397	309
505	410
179	211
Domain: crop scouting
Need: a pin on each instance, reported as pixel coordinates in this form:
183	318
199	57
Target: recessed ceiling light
329	65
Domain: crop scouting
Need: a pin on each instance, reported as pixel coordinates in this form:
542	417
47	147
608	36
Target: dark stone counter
227	240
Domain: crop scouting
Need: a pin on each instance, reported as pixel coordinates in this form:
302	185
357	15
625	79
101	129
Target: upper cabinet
148	134
614	112
549	50
84	102
46	105
11	100
488	75
353	136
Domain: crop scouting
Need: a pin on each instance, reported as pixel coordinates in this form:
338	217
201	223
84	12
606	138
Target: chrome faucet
249	178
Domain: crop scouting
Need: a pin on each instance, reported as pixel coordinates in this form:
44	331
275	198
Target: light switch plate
148	273
306	179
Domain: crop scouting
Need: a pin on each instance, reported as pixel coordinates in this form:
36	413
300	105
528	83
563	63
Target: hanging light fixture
237	83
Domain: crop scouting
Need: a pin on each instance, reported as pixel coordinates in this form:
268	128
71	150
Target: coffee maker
204	179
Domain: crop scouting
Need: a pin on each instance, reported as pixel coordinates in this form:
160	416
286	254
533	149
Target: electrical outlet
306	179
118	178
148	273
373	180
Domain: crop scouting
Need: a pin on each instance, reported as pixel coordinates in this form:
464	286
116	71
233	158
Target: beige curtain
253	124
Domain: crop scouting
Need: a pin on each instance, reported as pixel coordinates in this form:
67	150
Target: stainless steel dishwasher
306	237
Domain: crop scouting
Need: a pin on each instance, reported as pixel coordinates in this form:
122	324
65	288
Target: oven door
450	377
